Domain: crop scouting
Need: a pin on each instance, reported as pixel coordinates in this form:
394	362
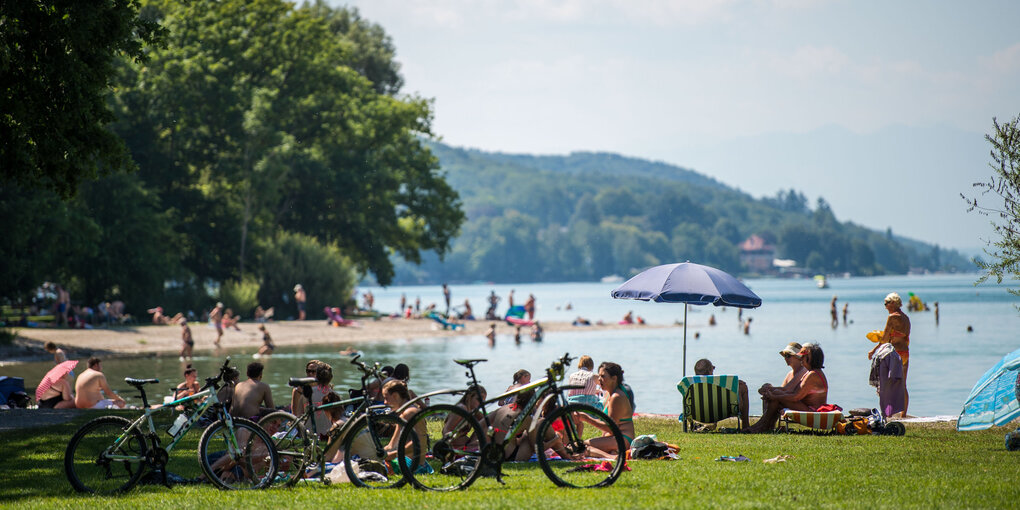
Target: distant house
756	254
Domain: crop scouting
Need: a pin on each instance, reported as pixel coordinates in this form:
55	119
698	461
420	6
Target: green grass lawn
931	466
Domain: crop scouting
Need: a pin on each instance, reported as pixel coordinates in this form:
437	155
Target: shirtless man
809	394
705	367
897	333
216	317
300	298
251	394
90	387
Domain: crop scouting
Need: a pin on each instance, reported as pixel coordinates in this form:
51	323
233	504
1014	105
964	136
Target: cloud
1005	61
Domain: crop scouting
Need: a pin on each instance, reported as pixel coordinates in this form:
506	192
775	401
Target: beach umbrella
993	401
690	284
53	376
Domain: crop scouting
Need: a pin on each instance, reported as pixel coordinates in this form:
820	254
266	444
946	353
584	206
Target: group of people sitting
90	389
804	388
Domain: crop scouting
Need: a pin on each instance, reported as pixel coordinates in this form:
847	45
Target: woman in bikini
897	333
618	406
58	396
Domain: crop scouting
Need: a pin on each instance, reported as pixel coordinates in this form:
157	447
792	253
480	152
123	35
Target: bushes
242	296
290	258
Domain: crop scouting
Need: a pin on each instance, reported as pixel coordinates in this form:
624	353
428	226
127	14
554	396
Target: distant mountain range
586	215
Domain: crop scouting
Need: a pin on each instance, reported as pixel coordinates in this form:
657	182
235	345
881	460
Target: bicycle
109	454
454	463
363	437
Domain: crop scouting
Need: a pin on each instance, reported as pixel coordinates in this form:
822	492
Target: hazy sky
880	107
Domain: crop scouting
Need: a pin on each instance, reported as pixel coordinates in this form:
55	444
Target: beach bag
853	426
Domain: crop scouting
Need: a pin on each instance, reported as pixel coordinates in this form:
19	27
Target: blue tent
993	401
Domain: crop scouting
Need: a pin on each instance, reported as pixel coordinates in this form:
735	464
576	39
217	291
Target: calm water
946	360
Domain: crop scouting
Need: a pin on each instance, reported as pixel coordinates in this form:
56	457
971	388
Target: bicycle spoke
92	462
589	449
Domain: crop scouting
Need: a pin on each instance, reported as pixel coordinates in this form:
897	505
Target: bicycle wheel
365	452
252	465
582	473
443	460
289	438
95	462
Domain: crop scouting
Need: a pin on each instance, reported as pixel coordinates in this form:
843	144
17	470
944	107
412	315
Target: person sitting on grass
791	354
521	378
705	367
617	404
810	392
58	396
91	386
190	385
251	394
470	402
395	395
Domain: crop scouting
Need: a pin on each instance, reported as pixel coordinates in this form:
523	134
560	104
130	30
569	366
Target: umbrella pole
684	369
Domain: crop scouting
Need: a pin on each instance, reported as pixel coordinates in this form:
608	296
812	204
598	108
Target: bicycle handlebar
211	381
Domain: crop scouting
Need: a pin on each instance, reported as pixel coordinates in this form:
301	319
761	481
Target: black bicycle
363	436
457	449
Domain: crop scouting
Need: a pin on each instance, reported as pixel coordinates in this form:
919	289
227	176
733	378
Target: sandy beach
149	339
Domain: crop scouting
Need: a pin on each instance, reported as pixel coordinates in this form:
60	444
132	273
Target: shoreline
131	341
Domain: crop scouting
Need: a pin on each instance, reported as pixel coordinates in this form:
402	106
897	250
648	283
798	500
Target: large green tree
258	116
57	61
1003	205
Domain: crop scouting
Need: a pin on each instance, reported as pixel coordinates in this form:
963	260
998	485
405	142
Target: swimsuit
50	403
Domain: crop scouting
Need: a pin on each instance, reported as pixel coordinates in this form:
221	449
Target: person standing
300	297
529	307
403	302
490	335
832	311
216	318
187	341
417	304
62	304
510	299
446	296
845	307
936	313
897	333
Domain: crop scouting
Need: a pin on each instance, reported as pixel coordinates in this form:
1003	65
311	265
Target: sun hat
793	349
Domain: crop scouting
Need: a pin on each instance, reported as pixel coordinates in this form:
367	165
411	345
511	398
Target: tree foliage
1003	191
57	61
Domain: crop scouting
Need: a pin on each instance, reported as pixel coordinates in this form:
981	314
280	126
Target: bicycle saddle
298	382
138	383
469	362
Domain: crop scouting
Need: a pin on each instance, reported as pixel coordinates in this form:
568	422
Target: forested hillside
587	215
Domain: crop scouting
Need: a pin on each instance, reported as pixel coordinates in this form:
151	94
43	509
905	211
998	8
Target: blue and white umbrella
993	401
687	283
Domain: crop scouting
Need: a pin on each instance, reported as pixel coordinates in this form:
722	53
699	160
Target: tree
1004	184
261	117
57	63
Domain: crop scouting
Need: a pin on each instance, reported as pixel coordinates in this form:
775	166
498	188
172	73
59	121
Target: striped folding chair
818	421
708	398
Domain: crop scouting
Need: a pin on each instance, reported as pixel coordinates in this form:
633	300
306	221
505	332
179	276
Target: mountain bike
458	448
111	453
362	437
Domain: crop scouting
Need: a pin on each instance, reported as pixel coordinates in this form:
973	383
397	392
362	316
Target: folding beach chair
824	422
709	398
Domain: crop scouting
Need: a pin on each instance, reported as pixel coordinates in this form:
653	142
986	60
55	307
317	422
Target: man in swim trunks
300	298
897	333
809	394
90	387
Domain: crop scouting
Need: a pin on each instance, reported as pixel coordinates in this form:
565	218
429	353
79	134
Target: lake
946	360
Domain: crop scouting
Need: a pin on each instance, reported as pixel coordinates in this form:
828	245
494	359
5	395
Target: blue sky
879	107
